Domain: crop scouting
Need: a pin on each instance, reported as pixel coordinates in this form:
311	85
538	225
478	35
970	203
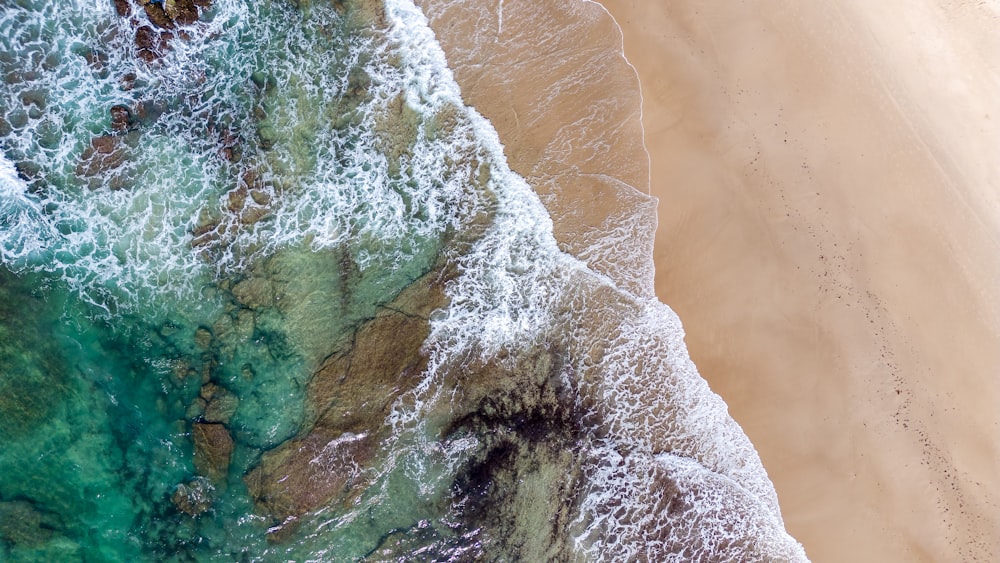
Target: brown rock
260	197
183	12
203	338
158	16
305	474
350	397
221	406
121	117
123	8
355	391
128	81
213	448
237	198
254	293
105	144
208	391
104	154
147	38
194	497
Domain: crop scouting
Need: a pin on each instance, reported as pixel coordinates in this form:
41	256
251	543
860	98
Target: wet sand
829	229
828	233
551	79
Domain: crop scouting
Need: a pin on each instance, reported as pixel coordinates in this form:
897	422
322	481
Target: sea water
280	227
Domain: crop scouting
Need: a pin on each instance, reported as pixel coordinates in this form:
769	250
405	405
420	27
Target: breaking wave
370	151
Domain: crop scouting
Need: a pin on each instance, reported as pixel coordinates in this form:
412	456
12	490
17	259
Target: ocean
270	291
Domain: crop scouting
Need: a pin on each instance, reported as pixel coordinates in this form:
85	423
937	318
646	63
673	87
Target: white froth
661	419
657	420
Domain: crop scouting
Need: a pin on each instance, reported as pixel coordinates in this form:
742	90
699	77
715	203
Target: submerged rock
308	473
23	525
213	449
350	396
121	118
105	154
220	403
194	497
254	293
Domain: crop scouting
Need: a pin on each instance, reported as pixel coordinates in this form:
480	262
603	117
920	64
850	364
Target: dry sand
828	228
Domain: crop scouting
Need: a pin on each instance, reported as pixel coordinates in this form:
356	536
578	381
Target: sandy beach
828	233
829	229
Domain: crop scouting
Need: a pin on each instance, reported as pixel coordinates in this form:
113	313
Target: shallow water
271	292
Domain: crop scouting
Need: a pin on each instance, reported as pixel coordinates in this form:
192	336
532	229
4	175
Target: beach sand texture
829	229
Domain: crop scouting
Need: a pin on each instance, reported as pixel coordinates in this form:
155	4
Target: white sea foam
656	426
22	237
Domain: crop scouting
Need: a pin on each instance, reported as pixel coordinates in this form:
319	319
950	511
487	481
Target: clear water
298	192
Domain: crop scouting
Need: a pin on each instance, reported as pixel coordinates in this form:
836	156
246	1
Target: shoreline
855	296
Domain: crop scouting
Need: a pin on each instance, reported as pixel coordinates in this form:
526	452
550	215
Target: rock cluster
350	397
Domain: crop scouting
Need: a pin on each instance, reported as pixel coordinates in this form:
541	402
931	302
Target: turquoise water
264	199
269	291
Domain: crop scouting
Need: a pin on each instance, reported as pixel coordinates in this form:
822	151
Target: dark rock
49	134
51	61
123	8
27	170
158	16
23	525
183	12
128	81
147	112
147	38
121	118
221	408
194	497
259	79
104	154
526	422
34	98
213	449
18	118
131	139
